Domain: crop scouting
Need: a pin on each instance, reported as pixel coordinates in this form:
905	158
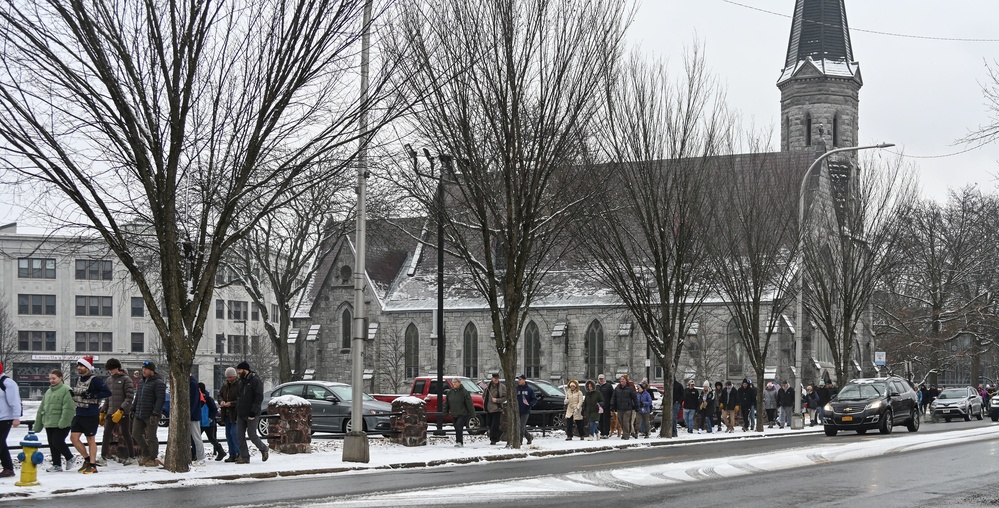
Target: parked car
331	406
873	403
425	388
994	408
550	408
957	402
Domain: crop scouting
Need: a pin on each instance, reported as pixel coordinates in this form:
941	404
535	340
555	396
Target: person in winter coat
494	399
593	409
624	401
228	394
812	402
691	401
146	413
87	393
197	445
210	410
770	404
677	401
728	403
747	401
644	411
785	400
525	401
458	404
251	394
607	391
55	415
707	404
573	411
115	413
11	411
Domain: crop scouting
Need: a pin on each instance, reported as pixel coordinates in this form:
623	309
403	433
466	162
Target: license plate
946	410
847	418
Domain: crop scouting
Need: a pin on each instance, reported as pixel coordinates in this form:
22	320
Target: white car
957	403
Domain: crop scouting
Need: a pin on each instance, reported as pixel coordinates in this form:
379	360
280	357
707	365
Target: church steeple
820	81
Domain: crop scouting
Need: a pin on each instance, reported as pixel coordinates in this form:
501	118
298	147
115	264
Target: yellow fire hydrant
29	468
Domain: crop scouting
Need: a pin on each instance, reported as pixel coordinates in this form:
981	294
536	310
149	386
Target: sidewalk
326	459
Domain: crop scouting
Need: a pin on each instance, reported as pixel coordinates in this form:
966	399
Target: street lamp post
797	420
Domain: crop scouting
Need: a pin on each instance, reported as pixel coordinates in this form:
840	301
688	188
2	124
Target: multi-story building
67	296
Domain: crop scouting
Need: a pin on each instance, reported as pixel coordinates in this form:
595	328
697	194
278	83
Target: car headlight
873	405
828	408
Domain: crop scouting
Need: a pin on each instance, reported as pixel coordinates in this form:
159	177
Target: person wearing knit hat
87	393
116	414
251	394
228	395
146	412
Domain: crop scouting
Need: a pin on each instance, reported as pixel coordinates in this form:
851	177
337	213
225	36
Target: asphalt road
909	478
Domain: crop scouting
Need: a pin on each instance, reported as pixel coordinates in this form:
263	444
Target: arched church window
345	329
594	344
835	133
470	362
532	350
412	351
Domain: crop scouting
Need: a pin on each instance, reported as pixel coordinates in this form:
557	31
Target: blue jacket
87	394
525	398
10	401
644	403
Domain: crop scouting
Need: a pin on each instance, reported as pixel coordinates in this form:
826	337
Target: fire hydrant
29	469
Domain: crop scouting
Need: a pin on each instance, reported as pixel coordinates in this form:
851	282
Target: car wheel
913	424
981	414
558	420
263	426
967	416
476	424
994	417
163	422
861	431
348	423
831	431
887	423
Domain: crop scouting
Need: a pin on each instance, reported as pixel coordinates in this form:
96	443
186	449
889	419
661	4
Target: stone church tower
821	82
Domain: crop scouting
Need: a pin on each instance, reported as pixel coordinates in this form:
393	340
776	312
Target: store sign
879	358
64	358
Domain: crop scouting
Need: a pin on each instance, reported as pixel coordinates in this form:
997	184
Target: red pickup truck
425	388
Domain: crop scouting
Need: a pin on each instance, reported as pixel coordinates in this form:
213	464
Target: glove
116	417
101	421
736	409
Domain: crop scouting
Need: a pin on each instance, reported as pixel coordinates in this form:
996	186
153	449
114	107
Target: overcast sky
921	94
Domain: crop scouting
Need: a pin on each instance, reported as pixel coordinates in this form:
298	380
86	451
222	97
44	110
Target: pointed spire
820	34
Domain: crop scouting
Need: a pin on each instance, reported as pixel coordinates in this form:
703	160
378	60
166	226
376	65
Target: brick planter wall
410	426
290	430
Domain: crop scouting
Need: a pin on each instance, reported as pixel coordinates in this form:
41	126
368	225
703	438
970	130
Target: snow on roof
833	68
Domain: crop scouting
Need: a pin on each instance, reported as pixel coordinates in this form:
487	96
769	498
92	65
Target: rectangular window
274	313
138	307
32	340
219	343
219	309
36	268
255	345
138	342
254	312
93	269
238	345
42	305
238	311
93	306
93	341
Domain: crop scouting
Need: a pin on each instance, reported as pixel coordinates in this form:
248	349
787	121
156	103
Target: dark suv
872	403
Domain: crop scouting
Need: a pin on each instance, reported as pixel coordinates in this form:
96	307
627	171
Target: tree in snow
172	128
509	90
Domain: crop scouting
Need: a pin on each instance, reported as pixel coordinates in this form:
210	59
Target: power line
941	156
877	32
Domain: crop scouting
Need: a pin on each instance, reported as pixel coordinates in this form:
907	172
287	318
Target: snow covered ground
326	458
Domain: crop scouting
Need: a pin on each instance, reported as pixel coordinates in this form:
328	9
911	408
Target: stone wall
290	430
824	99
409	424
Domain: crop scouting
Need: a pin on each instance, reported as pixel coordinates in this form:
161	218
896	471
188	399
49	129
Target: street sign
879	358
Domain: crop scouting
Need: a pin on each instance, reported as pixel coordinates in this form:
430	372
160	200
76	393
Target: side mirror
333	399
893	394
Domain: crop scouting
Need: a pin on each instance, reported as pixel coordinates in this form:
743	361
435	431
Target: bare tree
753	244
392	360
510	95
988	132
706	354
190	119
853	227
280	256
647	240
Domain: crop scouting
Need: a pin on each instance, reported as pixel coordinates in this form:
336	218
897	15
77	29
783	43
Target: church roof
820	38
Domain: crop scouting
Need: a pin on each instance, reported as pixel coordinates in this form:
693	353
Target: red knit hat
86	361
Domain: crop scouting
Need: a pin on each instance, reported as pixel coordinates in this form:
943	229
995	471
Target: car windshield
471	386
549	389
343	392
861	391
953	393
